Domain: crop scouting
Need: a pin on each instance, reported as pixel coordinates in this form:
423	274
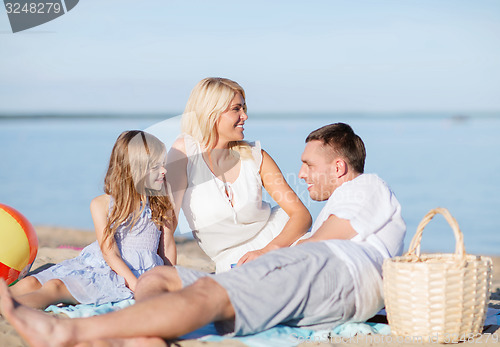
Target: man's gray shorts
305	286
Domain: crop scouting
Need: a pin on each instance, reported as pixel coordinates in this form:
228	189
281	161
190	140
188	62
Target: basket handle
459	237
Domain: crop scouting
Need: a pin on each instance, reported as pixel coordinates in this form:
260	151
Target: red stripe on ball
8	273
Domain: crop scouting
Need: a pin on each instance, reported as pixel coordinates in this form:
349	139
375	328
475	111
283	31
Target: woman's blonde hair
210	98
132	157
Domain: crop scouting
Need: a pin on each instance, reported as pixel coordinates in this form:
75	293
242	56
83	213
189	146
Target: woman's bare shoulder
179	145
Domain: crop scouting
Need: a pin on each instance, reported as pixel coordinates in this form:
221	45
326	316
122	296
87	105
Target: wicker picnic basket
437	297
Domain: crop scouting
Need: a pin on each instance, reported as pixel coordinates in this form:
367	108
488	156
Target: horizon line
295	114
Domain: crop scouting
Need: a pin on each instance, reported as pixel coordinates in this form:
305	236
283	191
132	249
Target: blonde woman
217	179
131	227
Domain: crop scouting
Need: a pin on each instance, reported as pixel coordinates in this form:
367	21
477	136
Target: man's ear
340	167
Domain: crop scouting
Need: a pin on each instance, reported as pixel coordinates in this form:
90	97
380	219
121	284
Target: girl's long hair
131	159
210	98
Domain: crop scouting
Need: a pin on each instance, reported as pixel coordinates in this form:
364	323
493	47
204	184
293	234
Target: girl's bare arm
99	208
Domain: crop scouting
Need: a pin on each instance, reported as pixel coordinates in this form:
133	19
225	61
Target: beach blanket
283	336
492	317
278	336
88	310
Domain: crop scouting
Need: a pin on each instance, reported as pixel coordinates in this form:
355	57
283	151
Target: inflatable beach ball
18	244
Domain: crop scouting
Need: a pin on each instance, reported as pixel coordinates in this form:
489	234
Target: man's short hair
344	143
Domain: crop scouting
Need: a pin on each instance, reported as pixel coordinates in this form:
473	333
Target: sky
143	57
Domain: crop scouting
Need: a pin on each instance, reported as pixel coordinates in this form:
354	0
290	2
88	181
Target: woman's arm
176	178
300	218
99	208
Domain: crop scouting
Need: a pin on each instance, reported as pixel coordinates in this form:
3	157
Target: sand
57	244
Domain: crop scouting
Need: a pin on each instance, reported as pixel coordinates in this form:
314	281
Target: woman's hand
249	256
300	242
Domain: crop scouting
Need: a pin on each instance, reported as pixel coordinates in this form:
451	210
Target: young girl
129	221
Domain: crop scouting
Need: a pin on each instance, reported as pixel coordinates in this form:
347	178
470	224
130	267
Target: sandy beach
57	244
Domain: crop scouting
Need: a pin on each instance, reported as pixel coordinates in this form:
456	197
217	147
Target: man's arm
333	228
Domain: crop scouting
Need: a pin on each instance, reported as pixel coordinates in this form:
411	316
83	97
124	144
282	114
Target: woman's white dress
227	227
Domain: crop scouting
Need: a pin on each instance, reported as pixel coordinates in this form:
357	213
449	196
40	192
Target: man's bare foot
35	327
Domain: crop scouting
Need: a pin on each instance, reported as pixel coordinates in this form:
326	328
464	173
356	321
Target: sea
51	166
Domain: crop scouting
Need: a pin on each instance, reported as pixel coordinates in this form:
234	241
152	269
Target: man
332	277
